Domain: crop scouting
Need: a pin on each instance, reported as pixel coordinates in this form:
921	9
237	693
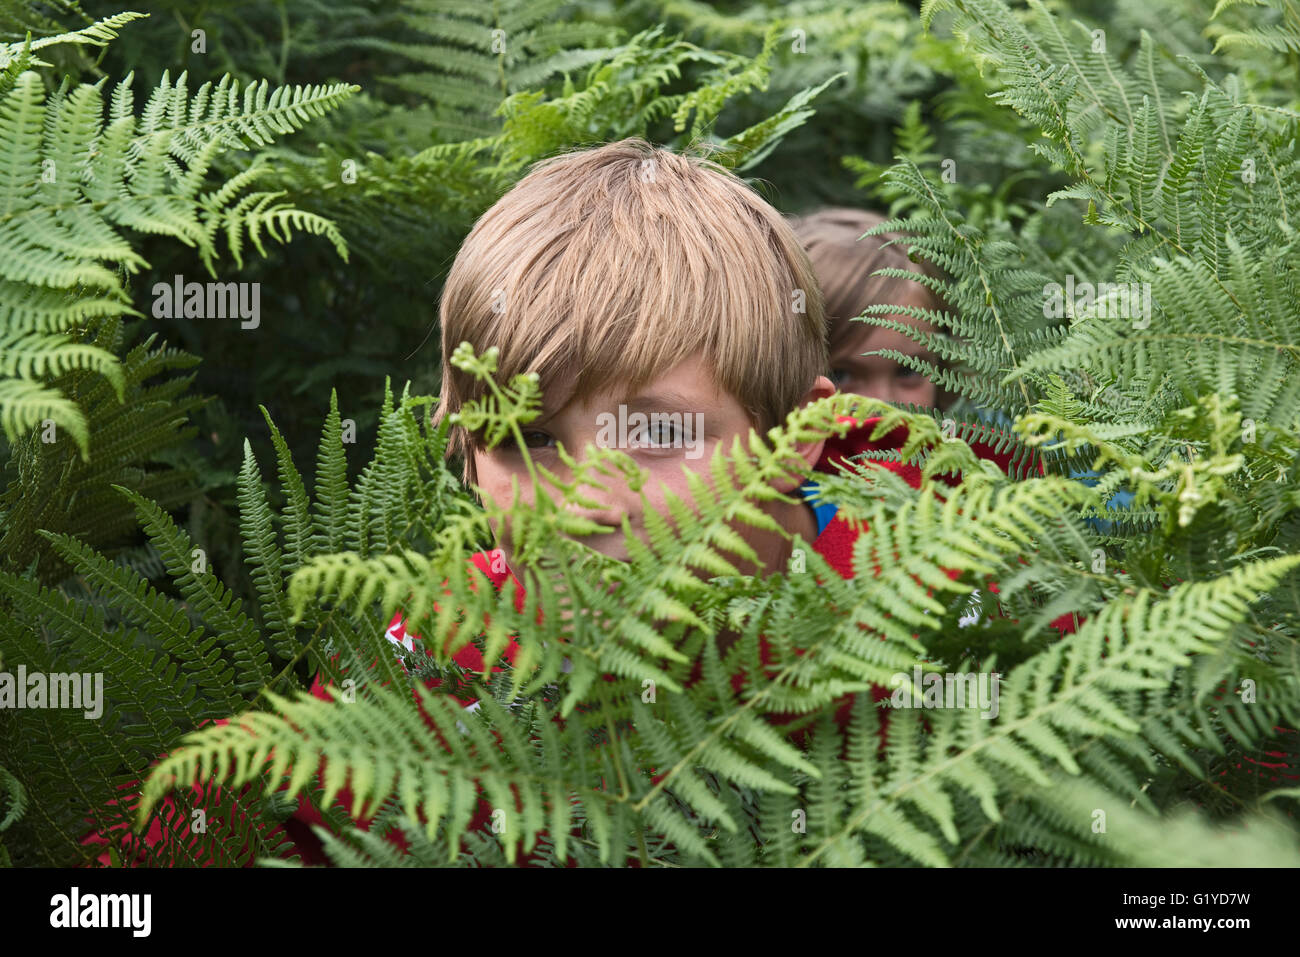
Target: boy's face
697	415
879	376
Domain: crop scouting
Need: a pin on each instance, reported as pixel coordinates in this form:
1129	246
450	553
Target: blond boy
634	280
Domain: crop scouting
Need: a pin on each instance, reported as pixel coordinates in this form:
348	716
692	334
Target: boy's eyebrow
845	356
666	399
656	401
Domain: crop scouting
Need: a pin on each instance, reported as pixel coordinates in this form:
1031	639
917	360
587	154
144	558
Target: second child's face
687	394
881	377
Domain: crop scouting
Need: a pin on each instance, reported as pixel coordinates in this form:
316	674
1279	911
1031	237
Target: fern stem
284	40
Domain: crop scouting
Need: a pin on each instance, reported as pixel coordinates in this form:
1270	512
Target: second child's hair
844	263
611	265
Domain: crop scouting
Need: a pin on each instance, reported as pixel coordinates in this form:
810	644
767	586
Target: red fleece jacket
834	544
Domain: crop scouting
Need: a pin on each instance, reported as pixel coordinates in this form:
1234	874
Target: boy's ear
810	452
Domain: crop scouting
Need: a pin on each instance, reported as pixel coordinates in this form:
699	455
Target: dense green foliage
1018	145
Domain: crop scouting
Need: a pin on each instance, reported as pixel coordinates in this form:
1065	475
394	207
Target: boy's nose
605	506
603	514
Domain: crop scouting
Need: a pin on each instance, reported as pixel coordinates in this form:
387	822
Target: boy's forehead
870	338
690	385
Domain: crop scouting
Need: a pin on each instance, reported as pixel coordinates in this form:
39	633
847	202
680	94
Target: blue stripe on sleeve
824	512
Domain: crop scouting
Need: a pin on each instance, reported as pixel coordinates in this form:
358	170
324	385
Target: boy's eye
655	436
533	439
902	372
839	377
664	434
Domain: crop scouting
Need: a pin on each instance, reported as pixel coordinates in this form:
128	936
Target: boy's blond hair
611	265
